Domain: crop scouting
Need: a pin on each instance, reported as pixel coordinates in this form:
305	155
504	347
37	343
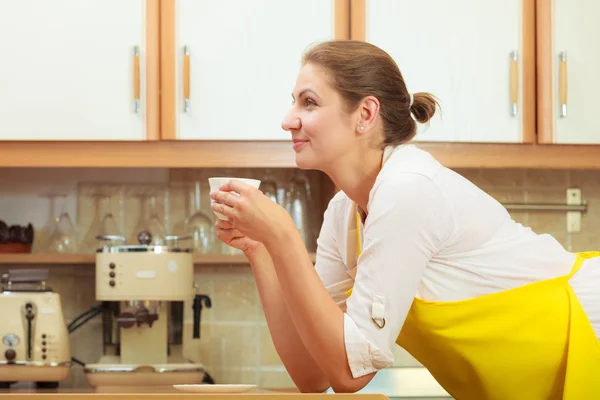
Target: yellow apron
529	343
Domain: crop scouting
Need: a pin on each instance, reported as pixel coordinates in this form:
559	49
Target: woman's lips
298	144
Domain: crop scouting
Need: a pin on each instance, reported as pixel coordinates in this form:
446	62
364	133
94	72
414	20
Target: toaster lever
29	316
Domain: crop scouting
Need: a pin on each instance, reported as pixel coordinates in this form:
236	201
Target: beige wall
236	346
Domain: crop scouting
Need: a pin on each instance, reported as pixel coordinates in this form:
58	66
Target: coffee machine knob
10	354
145	238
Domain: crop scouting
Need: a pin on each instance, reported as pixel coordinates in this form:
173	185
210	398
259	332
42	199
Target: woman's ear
369	108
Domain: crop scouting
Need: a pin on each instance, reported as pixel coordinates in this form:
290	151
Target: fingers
226	235
224	197
237	186
223	209
225	225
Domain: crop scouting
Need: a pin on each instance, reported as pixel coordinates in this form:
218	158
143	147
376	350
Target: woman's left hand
251	212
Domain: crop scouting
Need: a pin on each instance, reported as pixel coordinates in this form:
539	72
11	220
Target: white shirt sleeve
329	264
408	221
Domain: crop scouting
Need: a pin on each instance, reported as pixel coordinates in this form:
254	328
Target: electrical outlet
573	217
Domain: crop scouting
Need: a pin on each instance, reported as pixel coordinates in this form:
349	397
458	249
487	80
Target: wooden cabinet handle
186	78
514	83
136	79
562	83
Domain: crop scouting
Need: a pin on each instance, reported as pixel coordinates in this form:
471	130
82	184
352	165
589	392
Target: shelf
89	259
535	156
149	154
276	154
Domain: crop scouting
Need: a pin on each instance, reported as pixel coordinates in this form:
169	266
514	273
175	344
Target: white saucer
207	388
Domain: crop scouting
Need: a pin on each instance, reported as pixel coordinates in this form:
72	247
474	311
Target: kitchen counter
168	393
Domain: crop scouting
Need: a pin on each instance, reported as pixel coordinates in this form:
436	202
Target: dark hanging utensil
198	310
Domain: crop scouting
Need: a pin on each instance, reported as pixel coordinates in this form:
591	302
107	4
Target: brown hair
358	69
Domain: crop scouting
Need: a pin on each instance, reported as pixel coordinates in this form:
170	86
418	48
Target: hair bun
423	106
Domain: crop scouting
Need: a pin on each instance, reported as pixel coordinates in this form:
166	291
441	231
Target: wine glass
298	203
141	223
155	226
199	225
43	237
103	224
63	238
269	186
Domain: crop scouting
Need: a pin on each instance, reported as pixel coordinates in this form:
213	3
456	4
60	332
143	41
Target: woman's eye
309	102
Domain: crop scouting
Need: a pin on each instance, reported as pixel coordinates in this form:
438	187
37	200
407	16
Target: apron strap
581	257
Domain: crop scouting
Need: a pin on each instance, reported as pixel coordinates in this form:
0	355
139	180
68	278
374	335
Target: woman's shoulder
408	160
339	204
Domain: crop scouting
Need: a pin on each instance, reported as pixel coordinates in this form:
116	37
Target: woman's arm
304	371
404	229
319	321
407	224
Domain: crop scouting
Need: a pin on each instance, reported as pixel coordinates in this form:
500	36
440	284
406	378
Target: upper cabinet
229	66
224	70
568	65
77	70
476	57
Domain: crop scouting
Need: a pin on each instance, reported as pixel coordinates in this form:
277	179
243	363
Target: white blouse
431	234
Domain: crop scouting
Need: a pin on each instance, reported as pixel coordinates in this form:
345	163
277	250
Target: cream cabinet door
468	53
243	58
67	69
576	71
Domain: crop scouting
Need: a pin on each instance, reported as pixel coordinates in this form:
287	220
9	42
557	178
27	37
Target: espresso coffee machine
35	341
144	289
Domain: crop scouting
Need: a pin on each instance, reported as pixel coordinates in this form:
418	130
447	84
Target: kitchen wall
235	345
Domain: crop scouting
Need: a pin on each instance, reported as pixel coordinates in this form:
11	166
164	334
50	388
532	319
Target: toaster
34	343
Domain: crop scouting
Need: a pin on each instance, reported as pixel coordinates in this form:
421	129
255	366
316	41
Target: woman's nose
290	122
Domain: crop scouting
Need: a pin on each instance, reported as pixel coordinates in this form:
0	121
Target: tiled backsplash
235	344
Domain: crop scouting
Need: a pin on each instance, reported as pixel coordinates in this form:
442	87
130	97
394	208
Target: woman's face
321	130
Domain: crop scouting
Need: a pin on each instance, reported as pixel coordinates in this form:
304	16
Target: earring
361	127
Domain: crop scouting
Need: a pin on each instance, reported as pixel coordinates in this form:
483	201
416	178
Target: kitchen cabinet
476	57
78	70
568	65
229	66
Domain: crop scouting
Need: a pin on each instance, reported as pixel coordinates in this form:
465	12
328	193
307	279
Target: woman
410	253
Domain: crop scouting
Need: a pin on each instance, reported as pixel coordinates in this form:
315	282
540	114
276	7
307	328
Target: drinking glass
63	237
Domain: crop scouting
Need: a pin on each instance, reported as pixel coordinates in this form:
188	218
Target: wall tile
235	345
199	350
474	175
268	353
546	178
236	297
501	178
590	221
585	242
586	180
403	358
547	221
235	376
273	379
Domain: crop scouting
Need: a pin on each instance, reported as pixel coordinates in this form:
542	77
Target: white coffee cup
217	182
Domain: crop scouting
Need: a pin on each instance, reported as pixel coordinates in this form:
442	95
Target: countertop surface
166	393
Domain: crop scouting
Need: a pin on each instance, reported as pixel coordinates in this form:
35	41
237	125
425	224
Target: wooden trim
528	109
146	154
169	393
342	19
71	259
536	156
152	70
276	154
357	20
168	75
544	35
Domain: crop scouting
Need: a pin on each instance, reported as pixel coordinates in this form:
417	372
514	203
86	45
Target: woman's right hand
234	238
